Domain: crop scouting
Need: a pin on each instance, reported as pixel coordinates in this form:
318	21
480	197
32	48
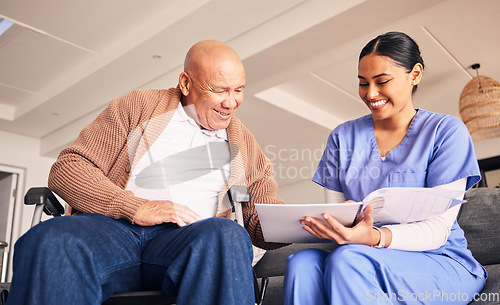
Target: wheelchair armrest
44	196
239	194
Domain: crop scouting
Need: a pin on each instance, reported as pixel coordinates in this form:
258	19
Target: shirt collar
180	115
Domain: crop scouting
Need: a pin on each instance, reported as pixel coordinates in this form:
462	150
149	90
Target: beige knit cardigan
92	173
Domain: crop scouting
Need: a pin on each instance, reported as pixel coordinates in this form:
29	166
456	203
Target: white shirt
186	165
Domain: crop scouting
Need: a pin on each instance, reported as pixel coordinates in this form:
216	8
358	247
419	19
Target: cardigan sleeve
87	174
262	187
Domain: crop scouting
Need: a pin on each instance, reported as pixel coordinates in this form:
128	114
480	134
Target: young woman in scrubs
426	262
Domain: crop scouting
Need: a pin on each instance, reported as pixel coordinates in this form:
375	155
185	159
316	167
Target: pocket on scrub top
407	179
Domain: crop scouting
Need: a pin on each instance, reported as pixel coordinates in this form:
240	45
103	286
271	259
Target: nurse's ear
416	74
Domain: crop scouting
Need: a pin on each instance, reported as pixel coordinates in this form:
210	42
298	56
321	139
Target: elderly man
149	176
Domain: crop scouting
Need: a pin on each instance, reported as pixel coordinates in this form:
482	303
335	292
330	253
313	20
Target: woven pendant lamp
480	106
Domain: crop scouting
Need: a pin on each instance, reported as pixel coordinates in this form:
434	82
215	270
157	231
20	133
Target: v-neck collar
374	138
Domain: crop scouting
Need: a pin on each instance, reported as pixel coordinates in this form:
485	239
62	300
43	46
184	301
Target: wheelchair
46	202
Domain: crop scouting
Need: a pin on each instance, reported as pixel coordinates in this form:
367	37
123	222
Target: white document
281	222
394	205
399	205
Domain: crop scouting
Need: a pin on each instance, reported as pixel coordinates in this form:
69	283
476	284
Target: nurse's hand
361	233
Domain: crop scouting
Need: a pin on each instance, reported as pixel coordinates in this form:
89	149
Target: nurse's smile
378	104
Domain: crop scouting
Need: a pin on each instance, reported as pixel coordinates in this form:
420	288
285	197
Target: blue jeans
358	274
84	259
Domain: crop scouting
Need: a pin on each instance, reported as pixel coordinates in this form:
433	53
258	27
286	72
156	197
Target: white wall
24	152
487	148
304	191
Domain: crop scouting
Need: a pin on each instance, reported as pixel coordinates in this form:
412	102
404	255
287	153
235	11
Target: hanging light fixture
480	106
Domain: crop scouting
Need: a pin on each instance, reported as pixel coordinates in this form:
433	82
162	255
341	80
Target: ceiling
64	60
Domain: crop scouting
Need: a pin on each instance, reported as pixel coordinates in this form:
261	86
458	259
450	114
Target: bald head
208	54
212	84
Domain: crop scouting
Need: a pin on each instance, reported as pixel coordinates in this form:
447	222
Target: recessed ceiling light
5	25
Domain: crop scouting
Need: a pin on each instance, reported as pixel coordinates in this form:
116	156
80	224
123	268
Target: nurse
426	262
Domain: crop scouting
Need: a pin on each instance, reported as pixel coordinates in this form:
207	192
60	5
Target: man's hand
158	212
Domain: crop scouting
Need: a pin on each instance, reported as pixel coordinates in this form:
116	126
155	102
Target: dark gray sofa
479	218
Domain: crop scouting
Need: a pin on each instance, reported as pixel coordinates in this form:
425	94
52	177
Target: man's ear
416	73
184	83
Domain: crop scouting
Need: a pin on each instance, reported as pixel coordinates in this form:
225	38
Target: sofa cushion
273	263
479	219
490	294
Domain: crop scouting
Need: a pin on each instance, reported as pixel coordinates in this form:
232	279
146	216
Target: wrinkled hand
157	212
361	233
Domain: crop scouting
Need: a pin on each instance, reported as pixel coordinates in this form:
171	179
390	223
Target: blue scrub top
436	150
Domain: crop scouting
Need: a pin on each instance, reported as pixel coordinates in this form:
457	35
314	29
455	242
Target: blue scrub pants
84	259
358	274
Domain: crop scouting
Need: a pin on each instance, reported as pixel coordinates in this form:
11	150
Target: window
4	25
